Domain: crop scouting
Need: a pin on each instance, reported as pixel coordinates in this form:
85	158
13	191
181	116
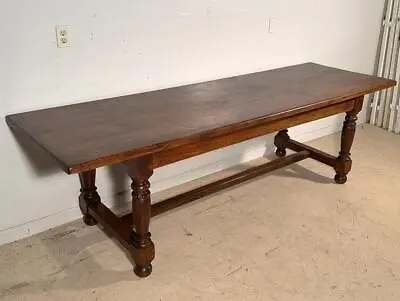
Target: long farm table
149	130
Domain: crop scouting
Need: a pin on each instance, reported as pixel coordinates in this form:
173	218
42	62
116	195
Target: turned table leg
88	195
343	161
281	140
140	171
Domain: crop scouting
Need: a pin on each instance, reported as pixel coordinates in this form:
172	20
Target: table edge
224	130
148	150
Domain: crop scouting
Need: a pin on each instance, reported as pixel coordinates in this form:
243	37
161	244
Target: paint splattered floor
289	235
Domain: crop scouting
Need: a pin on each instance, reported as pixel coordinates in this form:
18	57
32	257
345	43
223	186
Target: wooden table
149	130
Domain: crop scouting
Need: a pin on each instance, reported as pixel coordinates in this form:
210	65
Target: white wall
127	46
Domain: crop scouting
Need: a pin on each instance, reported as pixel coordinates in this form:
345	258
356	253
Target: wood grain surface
93	134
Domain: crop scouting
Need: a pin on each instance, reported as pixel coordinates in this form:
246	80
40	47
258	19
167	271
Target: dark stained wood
94	211
85	136
113	224
185	151
140	171
315	154
280	141
227	182
344	162
153	129
88	195
136	240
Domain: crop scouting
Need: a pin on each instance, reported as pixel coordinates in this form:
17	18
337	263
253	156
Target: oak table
149	130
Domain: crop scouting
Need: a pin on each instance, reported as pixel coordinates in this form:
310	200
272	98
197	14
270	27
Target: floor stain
13	288
271	251
83	259
393	274
66	267
230	198
56	272
61	235
234	271
186	231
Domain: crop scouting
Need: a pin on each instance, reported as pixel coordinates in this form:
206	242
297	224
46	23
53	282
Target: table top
130	126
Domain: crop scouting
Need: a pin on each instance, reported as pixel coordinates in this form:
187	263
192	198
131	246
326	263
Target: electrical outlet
63	36
271	24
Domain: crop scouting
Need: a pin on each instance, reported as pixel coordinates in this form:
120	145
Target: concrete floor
289	235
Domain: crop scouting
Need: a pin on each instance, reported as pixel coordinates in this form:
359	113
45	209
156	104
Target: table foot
340	178
89	220
280	152
280	141
143	271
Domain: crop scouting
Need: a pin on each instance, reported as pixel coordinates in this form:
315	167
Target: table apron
196	148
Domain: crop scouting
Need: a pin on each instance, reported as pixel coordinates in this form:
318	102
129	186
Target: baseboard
174	175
